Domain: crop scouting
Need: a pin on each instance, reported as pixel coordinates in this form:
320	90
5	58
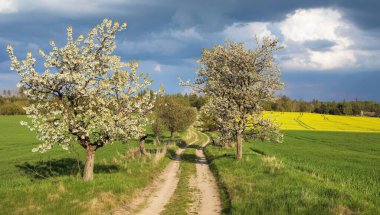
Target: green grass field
35	183
312	172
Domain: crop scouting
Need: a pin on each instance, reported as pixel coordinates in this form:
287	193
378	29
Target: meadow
316	170
50	183
326	165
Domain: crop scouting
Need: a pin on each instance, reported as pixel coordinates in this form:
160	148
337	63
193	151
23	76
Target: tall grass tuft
272	164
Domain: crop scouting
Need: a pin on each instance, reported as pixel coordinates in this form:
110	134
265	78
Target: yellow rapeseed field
324	122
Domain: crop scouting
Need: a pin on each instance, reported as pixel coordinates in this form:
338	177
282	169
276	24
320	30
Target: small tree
86	94
158	128
239	82
175	113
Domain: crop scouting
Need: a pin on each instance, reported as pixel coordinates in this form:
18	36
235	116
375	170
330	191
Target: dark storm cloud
208	15
156	33
333	86
364	13
214	15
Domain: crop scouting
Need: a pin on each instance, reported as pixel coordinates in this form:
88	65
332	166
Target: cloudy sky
332	48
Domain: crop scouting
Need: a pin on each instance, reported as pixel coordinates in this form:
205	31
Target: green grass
310	173
34	183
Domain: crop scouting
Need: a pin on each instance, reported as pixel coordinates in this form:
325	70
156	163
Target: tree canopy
86	94
239	82
175	113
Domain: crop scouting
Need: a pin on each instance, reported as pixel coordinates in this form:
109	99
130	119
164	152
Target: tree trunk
142	145
172	135
88	173
239	145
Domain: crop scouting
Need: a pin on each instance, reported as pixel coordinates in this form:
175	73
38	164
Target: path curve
210	199
159	192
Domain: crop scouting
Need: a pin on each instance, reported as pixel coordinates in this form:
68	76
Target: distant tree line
286	104
12	103
355	108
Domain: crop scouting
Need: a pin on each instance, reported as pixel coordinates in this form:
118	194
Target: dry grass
61	188
342	210
159	155
53	197
102	202
31	209
272	164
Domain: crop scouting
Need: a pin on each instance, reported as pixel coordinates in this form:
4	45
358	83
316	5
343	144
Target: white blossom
238	82
86	94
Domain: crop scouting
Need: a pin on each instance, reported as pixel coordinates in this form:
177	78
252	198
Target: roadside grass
50	183
310	173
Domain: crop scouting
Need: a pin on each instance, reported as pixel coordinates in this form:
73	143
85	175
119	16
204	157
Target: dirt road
206	183
152	199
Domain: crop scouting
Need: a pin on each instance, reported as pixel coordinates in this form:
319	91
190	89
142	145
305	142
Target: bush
175	113
12	109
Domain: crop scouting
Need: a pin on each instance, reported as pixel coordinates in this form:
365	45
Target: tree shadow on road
60	167
189	158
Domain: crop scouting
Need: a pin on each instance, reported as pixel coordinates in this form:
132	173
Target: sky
331	48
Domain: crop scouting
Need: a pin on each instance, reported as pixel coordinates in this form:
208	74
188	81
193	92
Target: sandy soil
169	180
206	183
154	197
157	194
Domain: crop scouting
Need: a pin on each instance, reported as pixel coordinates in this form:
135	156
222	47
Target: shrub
12	109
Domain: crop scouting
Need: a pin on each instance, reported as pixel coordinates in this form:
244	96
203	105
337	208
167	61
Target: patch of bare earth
153	198
195	196
206	184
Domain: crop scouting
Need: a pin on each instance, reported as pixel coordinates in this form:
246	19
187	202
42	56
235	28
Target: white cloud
157	68
7	6
312	24
186	34
307	26
319	24
246	32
